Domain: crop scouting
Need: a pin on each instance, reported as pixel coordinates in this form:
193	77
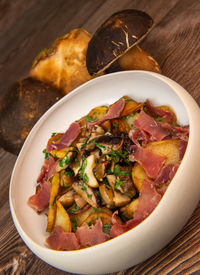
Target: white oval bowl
167	219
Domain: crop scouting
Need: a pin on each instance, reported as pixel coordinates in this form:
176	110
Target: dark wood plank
174	42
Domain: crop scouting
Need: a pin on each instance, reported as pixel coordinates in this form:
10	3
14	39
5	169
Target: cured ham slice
118	229
166	174
114	111
148	124
139	137
91	235
66	140
147	201
182	148
60	240
40	200
150	162
155	111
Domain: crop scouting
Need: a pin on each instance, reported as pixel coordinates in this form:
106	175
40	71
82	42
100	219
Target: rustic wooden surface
28	26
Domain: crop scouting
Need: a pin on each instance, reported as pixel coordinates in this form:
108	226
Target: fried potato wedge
130	208
131	106
63	65
55	184
138	176
166	148
105	218
62	218
80	217
168	109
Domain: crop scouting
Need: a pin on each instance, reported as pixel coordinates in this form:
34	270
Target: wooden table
26	27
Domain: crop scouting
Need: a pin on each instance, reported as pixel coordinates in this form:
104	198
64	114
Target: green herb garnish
89	119
46	154
100	145
74	209
106	228
118	183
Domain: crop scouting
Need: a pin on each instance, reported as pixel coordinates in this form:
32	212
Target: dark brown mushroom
114	37
21	108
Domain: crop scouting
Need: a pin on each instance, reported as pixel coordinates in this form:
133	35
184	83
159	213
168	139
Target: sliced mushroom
105	218
67	199
77	164
100	169
120	199
115	37
107	194
66	178
86	192
64	162
111	180
82	216
88	172
124	176
107	143
80	201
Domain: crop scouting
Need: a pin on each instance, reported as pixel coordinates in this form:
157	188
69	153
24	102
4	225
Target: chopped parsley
85	178
83	187
46	154
74	209
118	183
127	99
88	119
117	173
106	228
100	146
74	224
64	161
84	165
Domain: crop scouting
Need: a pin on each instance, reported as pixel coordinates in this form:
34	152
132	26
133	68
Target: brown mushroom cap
114	37
21	108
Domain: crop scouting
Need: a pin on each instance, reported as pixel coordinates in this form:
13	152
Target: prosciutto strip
166	174
147	201
182	148
118	229
114	111
155	111
66	140
139	137
40	200
91	235
60	240
150	162
147	123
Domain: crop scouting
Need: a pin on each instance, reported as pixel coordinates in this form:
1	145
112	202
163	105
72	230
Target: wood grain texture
26	27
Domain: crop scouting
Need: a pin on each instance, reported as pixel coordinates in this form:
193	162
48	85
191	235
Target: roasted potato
55	183
62	218
167	148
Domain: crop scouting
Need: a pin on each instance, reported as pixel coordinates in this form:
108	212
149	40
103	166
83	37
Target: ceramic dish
166	220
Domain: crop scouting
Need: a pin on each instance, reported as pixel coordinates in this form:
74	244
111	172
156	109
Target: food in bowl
108	172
